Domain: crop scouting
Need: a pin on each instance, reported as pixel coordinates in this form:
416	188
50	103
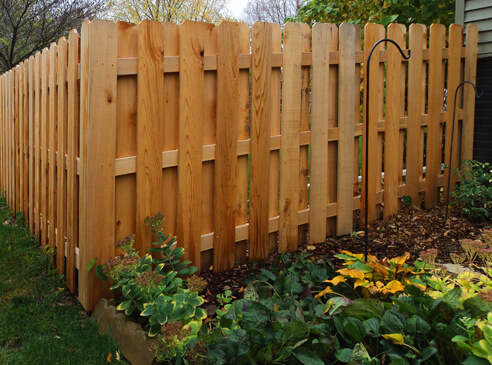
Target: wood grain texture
101	75
16	138
394	99
304	127
454	74
260	140
21	141
470	73
37	148
44	144
323	37
31	143
61	192
169	131
150	112
346	118
433	160
73	151
243	134
416	107
52	145
275	118
126	135
191	109
373	33
208	138
289	162
226	145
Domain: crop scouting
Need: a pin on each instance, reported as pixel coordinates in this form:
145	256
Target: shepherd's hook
452	138
368	73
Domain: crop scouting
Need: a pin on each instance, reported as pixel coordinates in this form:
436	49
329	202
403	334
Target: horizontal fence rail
247	139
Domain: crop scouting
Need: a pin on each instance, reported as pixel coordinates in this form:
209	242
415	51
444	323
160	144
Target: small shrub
474	192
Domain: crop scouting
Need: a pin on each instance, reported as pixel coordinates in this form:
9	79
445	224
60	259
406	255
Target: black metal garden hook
368	74
452	138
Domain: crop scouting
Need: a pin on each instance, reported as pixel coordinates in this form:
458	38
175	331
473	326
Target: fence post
97	154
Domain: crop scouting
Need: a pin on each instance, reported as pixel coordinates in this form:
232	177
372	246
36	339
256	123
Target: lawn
41	322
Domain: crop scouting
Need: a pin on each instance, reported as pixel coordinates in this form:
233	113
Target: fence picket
150	93
73	197
37	146
243	135
44	143
226	145
53	145
289	164
416	107
191	109
275	116
169	130
126	135
436	95
394	99
373	33
346	117
62	116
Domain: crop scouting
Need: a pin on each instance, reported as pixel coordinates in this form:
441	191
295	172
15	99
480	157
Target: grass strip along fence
225	130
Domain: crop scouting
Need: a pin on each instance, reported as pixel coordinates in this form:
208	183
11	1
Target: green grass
40	323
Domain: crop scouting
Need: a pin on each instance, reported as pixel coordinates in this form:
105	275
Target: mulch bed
410	231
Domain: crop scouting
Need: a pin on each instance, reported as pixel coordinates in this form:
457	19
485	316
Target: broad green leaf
365	308
91	264
307	357
100	274
123	306
428	352
393	322
354	328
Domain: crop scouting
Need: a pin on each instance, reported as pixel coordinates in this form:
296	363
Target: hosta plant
375	278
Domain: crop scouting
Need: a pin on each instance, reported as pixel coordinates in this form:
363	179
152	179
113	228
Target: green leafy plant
474	192
478	340
375	278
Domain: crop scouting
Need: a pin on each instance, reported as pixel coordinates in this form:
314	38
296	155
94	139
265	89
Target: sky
236	7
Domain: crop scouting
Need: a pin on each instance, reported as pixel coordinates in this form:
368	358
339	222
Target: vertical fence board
394	98
191	109
260	140
170	129
243	134
31	143
16	137
126	134
208	138
433	159
101	75
469	94
304	127
37	153
289	160
73	148
20	98
45	72
373	33
415	109
322	42
53	144
346	118
150	94
226	145
61	191
275	116
454	78
25	134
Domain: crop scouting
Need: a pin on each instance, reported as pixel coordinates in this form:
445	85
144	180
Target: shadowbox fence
247	144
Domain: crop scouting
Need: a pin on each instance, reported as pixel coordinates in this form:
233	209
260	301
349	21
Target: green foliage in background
377	11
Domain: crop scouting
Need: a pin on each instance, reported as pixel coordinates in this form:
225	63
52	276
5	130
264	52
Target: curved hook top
472	84
394	43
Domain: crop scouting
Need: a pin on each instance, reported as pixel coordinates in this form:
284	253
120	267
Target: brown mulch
410	231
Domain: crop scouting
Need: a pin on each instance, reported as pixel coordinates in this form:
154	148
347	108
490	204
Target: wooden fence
248	145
